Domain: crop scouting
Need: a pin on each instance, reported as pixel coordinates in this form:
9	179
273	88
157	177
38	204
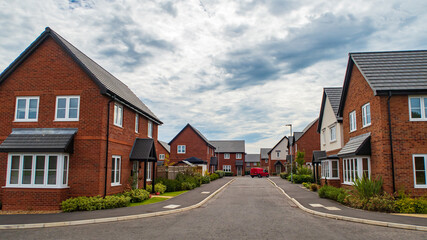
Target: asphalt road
247	209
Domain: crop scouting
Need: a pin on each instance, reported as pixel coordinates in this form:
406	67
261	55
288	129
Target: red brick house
384	111
69	128
163	152
277	157
306	141
231	155
252	160
263	157
190	143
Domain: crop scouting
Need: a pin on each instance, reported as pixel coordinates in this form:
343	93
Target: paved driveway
247	209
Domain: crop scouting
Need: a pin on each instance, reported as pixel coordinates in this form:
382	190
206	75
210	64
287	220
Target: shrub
302	178
313	187
214	176
337	194
220	173
304	171
228	174
136	195
367	188
382	203
94	203
411	205
306	185
171	185
206	179
187	186
283	175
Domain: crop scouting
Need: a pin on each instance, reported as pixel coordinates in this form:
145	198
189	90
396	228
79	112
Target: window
352	117
161	156
266	160
226	168
226	156
277	154
118	115
366	115
136	123
238	156
324	136
34	170
149	171
115	170
67	108
330	169
356	168
150	129
27	109
181	148
248	164
420	173
333	131
418	108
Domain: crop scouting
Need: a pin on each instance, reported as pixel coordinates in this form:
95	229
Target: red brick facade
231	162
308	142
161	150
409	137
49	72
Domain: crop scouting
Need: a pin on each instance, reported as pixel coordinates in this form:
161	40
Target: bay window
330	169
356	167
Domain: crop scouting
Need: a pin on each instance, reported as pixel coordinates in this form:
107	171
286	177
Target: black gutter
106	145
391	141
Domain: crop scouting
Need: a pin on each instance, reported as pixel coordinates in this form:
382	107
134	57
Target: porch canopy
143	150
279	163
40	140
357	146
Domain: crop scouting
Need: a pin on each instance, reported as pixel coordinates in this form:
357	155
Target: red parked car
259	172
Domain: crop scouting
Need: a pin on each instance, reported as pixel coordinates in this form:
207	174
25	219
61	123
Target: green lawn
148	201
173	194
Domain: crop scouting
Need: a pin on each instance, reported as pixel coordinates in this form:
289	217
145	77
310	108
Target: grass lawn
173	194
148	201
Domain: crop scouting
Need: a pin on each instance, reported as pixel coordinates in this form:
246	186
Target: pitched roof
317	155
252	158
397	72
165	145
196	131
229	146
143	149
108	84
194	160
334	96
278	143
359	145
264	153
298	135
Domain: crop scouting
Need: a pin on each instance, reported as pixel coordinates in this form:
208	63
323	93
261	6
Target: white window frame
333	133
149	171
425	170
238	156
181	149
353	168
117	168
27	109
118	115
248	164
226	168
59	170
366	116
327	169
352	121
226	156
136	123
67	109
423	106
161	156
150	129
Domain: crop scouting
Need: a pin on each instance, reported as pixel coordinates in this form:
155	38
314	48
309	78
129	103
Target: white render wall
283	148
328	120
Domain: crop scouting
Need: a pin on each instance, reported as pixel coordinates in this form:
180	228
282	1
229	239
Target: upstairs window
181	148
333	131
67	108
226	156
150	129
366	115
161	156
27	109
418	108
352	118
118	115
238	156
324	136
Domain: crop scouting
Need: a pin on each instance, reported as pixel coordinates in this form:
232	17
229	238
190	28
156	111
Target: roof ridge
390	51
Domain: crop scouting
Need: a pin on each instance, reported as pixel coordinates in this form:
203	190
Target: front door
239	170
278	169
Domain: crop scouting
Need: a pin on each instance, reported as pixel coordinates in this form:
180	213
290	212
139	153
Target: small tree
300	159
167	161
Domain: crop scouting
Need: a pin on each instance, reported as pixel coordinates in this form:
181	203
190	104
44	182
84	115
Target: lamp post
292	177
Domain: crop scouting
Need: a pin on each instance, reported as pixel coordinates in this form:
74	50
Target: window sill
348	183
25	121
115	184
36	187
118	126
366	126
418	119
333	141
66	120
420	186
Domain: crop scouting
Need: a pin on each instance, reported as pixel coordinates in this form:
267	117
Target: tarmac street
246	209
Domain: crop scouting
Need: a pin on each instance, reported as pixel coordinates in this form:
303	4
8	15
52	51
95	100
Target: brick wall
231	161
309	142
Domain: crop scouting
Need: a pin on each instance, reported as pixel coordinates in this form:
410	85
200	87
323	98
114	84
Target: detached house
331	138
190	145
69	128
230	155
264	158
277	157
163	151
384	111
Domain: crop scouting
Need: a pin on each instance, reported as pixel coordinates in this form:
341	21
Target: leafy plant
314	187
367	188
284	175
220	173
214	176
412	205
304	171
136	195
300	158
94	203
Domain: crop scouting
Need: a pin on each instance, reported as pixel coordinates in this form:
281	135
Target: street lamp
292	178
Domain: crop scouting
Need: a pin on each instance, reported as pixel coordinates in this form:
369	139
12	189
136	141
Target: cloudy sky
232	69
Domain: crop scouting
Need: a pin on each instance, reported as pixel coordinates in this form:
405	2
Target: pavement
311	202
186	201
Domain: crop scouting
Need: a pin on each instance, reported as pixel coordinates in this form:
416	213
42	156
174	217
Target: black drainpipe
106	145
391	141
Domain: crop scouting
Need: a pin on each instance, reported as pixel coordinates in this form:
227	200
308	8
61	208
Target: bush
304	171
214	176
337	194
382	203
367	188
206	179
314	187
220	173
94	203
411	205
228	174
187	186
283	175
306	185
171	185
302	178
137	195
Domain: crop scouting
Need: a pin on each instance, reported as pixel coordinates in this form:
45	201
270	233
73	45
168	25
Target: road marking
172	206
206	192
328	208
